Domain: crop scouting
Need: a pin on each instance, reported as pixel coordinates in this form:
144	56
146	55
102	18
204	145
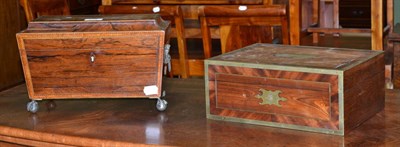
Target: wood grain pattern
302	98
12	21
364	87
112	60
96	122
311	98
139	41
114	72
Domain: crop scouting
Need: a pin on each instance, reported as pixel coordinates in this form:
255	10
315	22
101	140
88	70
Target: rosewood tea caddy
96	56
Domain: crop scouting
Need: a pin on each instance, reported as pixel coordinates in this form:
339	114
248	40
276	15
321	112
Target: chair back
242	25
36	8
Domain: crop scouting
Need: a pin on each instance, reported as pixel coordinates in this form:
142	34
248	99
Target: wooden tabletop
125	122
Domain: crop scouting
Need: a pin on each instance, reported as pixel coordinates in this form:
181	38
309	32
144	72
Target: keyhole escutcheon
92	57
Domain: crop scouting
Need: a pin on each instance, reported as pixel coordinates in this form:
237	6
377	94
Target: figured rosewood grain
364	71
303	98
113	72
364	87
312	99
141	41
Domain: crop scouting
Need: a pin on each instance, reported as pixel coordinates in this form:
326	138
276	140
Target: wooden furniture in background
299	26
394	50
356	13
80	7
36	8
118	56
189	8
167	12
191	26
229	17
349	16
12	21
129	122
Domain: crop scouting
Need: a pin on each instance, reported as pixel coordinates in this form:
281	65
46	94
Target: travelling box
318	89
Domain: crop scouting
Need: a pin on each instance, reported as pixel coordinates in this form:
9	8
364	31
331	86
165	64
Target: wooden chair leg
206	35
336	16
285	31
377	25
182	49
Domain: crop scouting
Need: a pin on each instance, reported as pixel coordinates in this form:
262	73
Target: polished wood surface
95	122
69	57
12	21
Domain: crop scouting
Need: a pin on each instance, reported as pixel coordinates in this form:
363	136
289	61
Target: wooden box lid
97	23
296	56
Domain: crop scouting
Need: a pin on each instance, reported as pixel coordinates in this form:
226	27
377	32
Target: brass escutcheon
270	97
